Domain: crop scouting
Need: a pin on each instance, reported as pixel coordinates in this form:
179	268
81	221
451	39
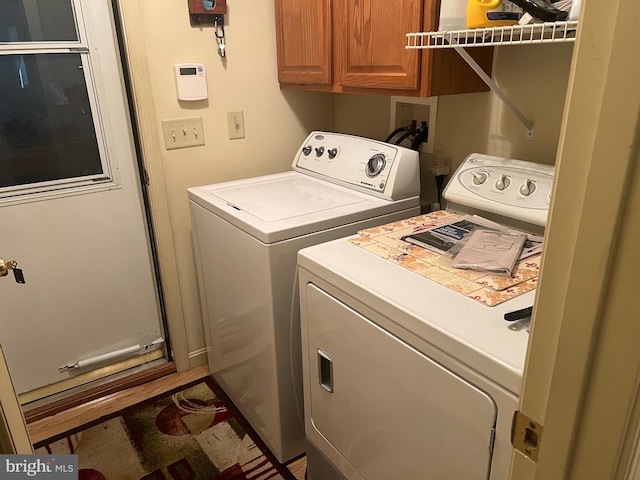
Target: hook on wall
204	13
210	13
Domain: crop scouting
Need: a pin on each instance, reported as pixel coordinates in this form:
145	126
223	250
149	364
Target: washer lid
286	198
277	207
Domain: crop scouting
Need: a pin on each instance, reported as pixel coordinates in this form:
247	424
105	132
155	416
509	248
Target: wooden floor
101	407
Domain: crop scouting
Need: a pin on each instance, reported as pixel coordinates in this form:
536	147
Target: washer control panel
512	188
385	170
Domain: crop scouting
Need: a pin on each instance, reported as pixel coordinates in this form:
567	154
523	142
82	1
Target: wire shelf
534	33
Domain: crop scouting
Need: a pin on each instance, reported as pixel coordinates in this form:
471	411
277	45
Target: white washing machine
246	235
405	378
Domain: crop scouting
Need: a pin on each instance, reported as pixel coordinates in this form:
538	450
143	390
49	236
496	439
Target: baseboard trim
109	388
198	357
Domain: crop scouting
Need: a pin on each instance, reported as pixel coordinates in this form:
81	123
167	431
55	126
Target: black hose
395	132
421	137
403	137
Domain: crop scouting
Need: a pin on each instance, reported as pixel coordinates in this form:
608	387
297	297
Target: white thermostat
191	81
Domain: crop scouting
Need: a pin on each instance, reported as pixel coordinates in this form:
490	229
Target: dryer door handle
325	371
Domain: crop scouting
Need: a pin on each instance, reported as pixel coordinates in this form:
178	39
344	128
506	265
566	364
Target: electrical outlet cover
235	124
182	132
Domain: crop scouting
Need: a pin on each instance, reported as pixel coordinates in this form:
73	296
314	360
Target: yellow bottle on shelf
492	13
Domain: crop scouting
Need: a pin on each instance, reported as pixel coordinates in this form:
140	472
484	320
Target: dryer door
384	408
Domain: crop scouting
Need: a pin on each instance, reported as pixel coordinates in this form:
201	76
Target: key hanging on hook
219	32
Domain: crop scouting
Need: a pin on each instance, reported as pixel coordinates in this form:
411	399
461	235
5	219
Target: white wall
535	78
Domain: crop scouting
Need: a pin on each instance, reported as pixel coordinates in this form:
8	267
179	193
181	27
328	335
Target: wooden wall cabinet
358	46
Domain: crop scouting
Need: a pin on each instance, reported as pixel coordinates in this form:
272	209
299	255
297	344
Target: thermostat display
191	81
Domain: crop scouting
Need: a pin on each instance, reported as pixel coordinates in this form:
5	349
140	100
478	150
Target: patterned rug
190	434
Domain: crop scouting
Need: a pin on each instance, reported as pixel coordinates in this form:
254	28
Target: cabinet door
303	31
370	40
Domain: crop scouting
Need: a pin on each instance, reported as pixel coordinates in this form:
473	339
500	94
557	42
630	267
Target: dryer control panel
514	189
381	169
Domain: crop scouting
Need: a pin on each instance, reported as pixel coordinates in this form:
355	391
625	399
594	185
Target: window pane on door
46	125
37	21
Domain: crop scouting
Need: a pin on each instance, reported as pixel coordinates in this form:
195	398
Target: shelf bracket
497	90
529	34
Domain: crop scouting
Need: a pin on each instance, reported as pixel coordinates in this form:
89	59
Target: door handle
13	266
325	371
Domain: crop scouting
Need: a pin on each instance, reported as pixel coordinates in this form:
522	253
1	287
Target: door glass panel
46	124
37	21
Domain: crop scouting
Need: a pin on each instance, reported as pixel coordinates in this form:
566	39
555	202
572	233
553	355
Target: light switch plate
182	132
235	124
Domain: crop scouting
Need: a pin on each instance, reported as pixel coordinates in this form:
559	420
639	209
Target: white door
71	208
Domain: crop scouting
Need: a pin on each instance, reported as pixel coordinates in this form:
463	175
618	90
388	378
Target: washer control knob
527	188
319	151
306	150
332	152
502	182
479	178
375	165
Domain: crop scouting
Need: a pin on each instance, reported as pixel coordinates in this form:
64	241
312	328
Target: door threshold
59	402
78	381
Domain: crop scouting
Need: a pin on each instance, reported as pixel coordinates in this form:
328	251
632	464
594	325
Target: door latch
526	435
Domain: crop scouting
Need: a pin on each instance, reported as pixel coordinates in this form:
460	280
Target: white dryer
403	377
246	235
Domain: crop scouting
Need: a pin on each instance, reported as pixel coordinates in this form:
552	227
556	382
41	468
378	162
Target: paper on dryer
490	251
449	238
